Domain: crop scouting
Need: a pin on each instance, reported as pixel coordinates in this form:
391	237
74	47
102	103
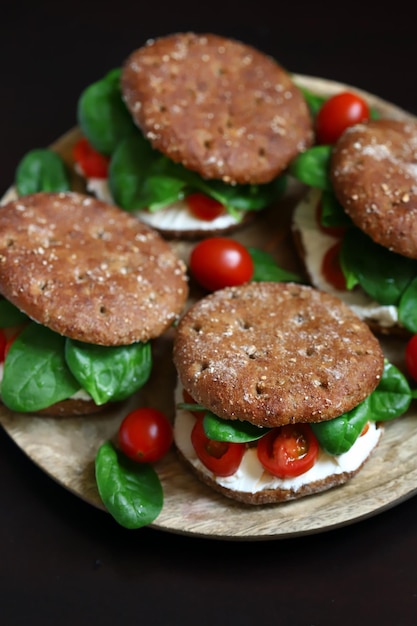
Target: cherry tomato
204	207
411	356
338	113
219	262
92	163
335	231
3	343
331	268
145	435
289	450
220	457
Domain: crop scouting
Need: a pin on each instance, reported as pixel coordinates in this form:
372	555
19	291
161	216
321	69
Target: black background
61	560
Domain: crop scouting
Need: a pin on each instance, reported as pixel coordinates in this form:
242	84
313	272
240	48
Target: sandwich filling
252	477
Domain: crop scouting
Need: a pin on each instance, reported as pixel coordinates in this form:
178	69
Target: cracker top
276	353
374	175
88	270
218	106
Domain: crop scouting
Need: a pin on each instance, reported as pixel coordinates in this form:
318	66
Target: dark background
61	560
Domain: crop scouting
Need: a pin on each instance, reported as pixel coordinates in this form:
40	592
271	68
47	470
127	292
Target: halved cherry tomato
335	231
204	207
92	163
3	343
145	435
288	451
219	262
331	268
220	457
411	356
338	113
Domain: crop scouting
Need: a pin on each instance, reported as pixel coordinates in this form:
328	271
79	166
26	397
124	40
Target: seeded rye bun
374	176
89	271
275	354
220	107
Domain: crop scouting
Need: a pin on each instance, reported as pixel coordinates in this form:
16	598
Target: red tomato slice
218	262
204	207
338	113
411	356
145	435
335	231
331	268
288	451
92	163
220	457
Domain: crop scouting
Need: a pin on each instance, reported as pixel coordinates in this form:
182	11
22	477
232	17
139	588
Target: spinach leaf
41	170
232	431
102	115
338	435
407	308
332	213
35	372
266	269
109	373
314	101
131	492
383	274
392	397
10	315
141	177
312	167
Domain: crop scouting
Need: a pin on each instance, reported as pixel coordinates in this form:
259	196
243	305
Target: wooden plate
65	448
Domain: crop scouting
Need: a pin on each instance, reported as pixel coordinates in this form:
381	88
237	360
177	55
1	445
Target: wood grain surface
65	448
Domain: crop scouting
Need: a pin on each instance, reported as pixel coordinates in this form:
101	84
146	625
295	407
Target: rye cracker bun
89	271
218	106
374	176
276	353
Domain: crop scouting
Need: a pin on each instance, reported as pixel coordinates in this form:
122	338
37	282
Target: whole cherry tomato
92	163
331	269
204	207
411	356
218	262
288	451
338	113
221	457
145	435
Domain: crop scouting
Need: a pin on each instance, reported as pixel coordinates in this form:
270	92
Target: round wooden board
65	448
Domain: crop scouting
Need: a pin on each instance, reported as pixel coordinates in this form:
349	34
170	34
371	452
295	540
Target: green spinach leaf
109	373
312	167
41	170
131	492
10	315
102	115
35	372
266	268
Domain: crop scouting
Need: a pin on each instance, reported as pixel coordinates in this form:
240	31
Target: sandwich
194	133
356	227
281	391
85	288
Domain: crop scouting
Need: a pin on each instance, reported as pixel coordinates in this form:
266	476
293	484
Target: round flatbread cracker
374	176
218	106
88	270
276	353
